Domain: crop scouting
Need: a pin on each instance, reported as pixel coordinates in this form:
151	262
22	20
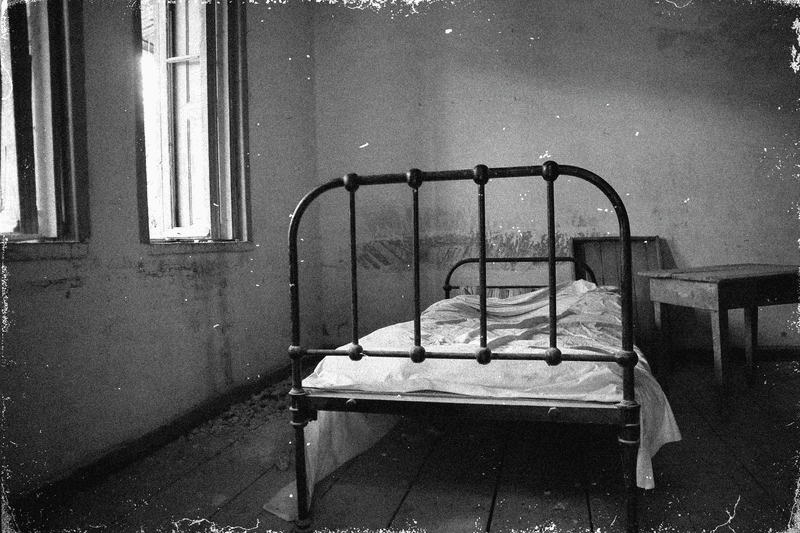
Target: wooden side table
719	289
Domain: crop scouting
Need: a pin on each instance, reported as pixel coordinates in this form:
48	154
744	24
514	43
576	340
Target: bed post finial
417	354
481	174
626	358
550	170
350	182
484	355
414	178
553	356
355	352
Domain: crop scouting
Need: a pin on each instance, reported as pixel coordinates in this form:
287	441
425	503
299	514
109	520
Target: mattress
588	321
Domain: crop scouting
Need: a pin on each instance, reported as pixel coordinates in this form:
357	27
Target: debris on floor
264	406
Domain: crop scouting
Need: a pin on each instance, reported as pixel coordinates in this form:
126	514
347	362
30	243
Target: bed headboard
480	176
579	267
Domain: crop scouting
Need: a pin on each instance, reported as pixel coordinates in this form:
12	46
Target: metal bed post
299	421
629	408
630	431
298	395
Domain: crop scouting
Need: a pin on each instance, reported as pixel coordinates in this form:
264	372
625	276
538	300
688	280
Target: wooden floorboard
377	482
736	470
455	488
246	509
731	444
217	482
542	484
106	501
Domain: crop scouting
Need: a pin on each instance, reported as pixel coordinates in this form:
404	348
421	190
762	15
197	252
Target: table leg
662	367
751	338
719	330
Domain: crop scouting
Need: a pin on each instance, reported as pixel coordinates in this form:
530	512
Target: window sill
42	251
191	247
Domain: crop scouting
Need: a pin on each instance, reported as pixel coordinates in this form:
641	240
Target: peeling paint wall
689	111
397	253
105	348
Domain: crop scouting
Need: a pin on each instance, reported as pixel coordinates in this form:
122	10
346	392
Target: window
43	190
192	79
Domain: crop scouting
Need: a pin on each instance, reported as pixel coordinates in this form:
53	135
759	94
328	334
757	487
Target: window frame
68	125
233	146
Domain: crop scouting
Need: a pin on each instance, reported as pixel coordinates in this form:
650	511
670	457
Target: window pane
175	98
187	62
9	186
191	114
155	102
225	202
27	201
42	124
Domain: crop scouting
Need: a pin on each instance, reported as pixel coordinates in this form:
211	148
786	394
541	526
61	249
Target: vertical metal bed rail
355	350
481	172
353	267
414	180
550	173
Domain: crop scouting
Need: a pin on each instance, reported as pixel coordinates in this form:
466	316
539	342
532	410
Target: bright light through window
191	192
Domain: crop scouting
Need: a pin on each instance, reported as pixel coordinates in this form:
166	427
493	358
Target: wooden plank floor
735	470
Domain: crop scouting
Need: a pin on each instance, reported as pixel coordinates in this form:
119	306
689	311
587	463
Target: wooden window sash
51	169
226	189
22	82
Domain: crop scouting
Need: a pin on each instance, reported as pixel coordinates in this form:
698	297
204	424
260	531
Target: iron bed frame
305	403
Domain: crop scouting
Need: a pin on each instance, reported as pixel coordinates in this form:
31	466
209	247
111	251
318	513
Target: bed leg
629	439
303	523
300	418
629	453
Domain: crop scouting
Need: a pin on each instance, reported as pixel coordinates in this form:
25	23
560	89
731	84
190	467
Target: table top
719	273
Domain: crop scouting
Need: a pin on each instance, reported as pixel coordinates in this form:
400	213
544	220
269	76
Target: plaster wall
690	112
105	348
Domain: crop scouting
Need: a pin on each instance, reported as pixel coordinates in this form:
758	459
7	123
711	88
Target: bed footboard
305	403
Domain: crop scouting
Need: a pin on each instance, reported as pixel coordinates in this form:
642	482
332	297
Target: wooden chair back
601	254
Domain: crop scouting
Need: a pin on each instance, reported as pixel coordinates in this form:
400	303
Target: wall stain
191	270
741	39
71	282
396	253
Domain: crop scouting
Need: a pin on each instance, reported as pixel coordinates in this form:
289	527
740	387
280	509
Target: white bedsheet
588	321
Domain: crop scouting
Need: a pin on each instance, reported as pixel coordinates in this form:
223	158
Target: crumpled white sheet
588	321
